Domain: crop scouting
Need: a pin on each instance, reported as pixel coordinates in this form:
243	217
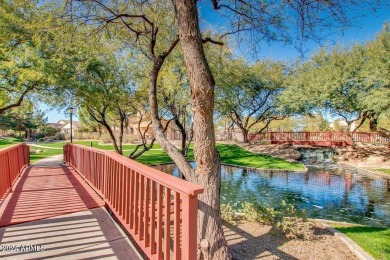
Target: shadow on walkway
44	192
53	201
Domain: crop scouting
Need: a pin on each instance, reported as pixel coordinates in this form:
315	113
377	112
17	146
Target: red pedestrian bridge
319	138
39	203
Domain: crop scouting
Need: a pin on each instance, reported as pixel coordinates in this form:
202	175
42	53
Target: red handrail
13	159
319	138
157	209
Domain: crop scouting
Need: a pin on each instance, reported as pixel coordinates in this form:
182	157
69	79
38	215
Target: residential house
134	124
63	126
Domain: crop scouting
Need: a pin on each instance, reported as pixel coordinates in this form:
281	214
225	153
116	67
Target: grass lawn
46	153
153	157
95	144
4	142
374	240
383	170
230	154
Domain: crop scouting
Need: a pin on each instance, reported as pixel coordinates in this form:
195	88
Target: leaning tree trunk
183	135
210	232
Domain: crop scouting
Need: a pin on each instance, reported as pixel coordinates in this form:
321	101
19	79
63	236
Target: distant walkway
60	213
45	147
51	161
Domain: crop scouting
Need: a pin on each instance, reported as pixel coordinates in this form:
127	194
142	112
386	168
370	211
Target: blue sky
54	115
364	29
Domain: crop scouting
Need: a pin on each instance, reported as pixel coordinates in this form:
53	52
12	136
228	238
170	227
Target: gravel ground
249	240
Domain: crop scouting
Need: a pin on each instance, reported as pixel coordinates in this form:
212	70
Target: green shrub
285	219
60	136
130	139
227	212
292	222
255	212
105	138
87	136
92	135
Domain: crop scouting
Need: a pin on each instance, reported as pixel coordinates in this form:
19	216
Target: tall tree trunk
207	174
244	132
349	133
118	149
230	132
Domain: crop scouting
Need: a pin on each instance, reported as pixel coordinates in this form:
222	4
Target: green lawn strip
5	142
233	154
95	144
374	240
230	154
383	170
46	152
153	157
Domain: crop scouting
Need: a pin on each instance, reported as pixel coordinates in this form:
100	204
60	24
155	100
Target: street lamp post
70	110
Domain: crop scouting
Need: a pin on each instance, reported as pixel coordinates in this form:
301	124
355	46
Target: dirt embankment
287	152
365	156
248	240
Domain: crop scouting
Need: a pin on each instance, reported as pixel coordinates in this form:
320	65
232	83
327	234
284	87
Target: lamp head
70	110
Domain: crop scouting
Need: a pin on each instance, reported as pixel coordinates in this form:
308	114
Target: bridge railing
372	138
157	209
13	159
325	138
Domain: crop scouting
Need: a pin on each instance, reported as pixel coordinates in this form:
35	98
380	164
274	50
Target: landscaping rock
365	156
286	151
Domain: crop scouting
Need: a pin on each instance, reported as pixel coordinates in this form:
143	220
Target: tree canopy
351	83
249	95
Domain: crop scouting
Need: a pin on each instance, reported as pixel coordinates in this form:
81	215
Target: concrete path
53	213
46	147
52	161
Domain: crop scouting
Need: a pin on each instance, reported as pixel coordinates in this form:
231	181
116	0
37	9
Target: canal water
327	192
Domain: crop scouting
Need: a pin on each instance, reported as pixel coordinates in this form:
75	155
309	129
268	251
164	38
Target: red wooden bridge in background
158	210
318	138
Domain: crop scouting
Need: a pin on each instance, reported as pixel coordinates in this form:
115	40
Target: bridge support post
9	172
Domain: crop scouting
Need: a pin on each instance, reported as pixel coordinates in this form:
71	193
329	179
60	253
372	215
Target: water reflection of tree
249	185
235	186
388	185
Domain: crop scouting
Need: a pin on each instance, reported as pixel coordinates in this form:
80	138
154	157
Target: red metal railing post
140	198
27	156
9	172
189	222
12	160
18	159
272	137
320	138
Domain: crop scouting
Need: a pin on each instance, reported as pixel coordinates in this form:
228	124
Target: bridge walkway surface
53	214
